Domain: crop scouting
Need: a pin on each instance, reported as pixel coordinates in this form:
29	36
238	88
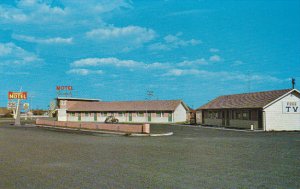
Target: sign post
19	96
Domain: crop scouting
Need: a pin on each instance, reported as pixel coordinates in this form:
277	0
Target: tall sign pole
18	112
19	96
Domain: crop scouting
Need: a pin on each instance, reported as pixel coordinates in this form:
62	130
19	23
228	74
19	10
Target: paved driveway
191	158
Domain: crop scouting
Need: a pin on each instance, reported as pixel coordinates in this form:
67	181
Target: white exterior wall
61	114
179	114
120	118
276	120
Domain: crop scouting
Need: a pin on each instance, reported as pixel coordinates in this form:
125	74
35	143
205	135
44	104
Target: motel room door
130	116
149	117
95	116
170	117
79	116
225	118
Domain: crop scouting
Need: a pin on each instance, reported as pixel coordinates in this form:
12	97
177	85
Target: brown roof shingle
246	100
153	105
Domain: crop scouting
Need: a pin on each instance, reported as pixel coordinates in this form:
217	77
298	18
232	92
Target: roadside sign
17	95
11	105
26	106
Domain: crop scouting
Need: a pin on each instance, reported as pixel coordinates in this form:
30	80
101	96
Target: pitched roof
78	99
153	105
246	100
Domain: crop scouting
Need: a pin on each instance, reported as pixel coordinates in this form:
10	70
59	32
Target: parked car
111	119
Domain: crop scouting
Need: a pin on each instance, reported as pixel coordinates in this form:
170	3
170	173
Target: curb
150	135
220	128
81	130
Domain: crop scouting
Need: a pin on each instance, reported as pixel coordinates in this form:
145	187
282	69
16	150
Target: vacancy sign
292	107
17	95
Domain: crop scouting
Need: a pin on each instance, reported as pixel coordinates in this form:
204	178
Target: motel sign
291	107
17	95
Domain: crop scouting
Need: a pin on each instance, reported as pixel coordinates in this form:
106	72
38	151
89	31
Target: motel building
277	110
93	110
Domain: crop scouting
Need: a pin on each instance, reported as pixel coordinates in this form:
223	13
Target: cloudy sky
118	49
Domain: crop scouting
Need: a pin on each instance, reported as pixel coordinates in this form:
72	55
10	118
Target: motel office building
270	110
91	110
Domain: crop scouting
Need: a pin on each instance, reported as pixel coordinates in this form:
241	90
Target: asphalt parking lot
192	158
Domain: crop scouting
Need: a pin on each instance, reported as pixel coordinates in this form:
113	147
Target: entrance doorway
170	117
130	116
260	119
95	116
79	116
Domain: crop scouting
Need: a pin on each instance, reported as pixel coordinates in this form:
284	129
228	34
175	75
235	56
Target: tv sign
291	107
17	95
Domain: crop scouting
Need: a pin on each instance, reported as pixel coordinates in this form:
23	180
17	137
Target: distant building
270	110
92	110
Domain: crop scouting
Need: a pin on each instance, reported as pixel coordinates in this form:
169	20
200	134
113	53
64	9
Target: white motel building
277	110
93	110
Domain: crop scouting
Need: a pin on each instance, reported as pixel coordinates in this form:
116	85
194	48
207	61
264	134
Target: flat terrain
191	158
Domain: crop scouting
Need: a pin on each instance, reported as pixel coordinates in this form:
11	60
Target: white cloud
11	54
172	42
224	76
238	63
158	65
84	72
138	34
106	61
196	62
213	50
55	40
181	72
215	58
30	11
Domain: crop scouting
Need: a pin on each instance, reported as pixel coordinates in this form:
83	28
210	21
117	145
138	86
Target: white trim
82	99
292	90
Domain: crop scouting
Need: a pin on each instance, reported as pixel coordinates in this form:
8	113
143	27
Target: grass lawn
191	158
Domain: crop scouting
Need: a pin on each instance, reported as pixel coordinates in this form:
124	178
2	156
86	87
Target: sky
117	50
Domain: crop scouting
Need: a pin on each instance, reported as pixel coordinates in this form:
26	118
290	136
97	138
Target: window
140	114
238	115
158	114
246	115
216	115
73	114
86	114
104	114
120	114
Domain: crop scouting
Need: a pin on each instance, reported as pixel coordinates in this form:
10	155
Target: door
79	116
223	118
170	117
227	118
260	119
130	116
149	117
95	116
